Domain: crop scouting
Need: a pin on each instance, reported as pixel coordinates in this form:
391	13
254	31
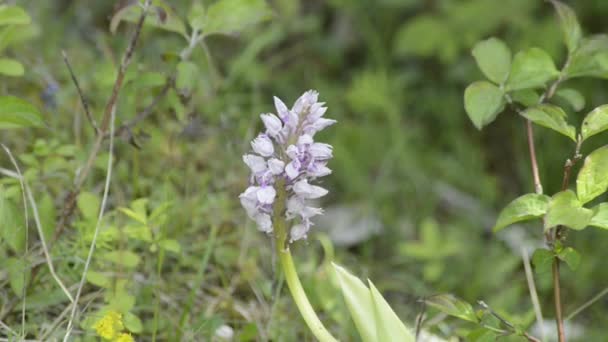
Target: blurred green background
415	189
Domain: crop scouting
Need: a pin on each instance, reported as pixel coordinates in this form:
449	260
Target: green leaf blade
526	207
11	67
592	179
453	306
17	113
389	326
569	24
493	58
13	15
595	122
565	209
551	117
531	68
231	16
483	101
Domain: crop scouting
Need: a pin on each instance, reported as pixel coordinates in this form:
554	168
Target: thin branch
561	333
70	201
538	186
507	323
47	255
588	304
83	100
533	294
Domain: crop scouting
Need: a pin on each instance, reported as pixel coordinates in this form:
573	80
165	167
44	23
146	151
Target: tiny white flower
281	108
298	232
292	170
273	124
262	145
305	139
264	222
305	190
249	200
321	151
276	166
257	164
266	194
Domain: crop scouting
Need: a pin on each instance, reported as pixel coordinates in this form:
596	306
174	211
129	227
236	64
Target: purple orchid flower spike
287	151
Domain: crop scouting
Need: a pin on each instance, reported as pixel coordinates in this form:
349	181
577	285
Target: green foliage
453	306
493	58
552	117
524	208
17	113
592	181
230	16
569	24
595	122
566	209
373	317
483	101
531	68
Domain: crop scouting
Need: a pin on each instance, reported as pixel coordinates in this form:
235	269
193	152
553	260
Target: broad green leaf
600	216
531	68
388	325
526	207
99	279
48	213
231	16
196	16
18	274
542	260
565	209
133	323
359	302
161	16
526	97
592	179
595	122
11	67
139	232
482	335
134	215
16	34
493	58
483	101
187	77
170	245
124	258
570	26
570	256
88	204
552	117
590	59
453	306
12	225
121	301
573	97
17	113
13	15
433	29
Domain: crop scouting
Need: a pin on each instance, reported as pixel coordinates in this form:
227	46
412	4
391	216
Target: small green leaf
542	260
124	258
133	323
359	302
592	179
388	325
570	256
161	16
18	274
531	68
526	207
573	97
13	15
595	122
590	59
170	245
88	204
565	209
11	67
493	58
231	16
134	215
482	335
570	26
16	113
187	77
99	279
196	16
600	216
121	301
453	306
552	117
483	101
527	97
12	224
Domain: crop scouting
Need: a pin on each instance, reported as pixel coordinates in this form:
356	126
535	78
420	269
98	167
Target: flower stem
291	276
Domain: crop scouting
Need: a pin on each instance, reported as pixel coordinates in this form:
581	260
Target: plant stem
291	276
561	334
538	187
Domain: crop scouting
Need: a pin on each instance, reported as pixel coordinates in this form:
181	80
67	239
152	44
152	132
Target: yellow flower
124	337
109	325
